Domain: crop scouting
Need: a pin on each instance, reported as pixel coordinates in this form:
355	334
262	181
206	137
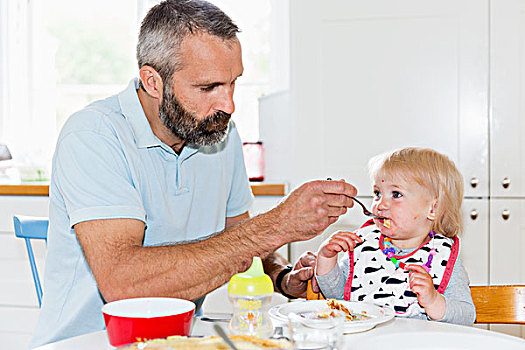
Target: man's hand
295	282
312	207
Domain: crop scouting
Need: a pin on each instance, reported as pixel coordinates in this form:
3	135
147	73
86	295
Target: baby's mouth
386	222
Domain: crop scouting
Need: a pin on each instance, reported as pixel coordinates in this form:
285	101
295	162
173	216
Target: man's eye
377	194
208	88
396	194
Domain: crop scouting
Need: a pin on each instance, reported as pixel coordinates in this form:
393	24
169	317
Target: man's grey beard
184	125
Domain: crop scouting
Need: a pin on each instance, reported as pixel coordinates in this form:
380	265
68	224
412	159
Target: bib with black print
373	278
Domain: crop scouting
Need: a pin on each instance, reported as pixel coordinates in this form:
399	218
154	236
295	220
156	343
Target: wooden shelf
24	190
262	189
259	189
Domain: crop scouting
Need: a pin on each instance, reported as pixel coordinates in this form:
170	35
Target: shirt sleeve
91	173
241	198
460	307
333	283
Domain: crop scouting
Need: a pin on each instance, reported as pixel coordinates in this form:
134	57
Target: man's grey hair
168	23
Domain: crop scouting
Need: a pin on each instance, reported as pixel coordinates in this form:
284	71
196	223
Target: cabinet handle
474	214
505	214
474	182
505	183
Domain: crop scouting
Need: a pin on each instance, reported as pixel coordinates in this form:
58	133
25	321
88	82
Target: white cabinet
475	240
507	241
369	76
507	244
507	146
507	98
376	75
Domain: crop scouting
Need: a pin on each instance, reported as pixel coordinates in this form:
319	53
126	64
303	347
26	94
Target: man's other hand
296	281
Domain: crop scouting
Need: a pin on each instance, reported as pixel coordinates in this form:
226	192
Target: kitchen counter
258	189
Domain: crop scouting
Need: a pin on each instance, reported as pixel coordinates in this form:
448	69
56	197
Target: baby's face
408	206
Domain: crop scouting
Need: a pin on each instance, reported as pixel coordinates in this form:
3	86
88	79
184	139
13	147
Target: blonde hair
433	171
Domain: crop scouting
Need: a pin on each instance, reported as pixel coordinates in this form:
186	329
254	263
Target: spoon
224	337
211	319
365	211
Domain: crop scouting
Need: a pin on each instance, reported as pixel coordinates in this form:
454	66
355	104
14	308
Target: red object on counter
129	320
254	160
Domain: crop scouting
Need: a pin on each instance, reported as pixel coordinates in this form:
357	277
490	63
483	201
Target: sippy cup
250	293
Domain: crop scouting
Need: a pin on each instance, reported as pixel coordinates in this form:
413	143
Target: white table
398	333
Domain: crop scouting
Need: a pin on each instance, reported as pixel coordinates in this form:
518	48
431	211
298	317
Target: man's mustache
218	118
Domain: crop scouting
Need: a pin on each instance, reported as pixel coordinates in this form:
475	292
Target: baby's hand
338	241
428	297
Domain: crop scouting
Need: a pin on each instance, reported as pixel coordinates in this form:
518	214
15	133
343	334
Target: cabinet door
370	76
507	244
507	82
507	241
475	240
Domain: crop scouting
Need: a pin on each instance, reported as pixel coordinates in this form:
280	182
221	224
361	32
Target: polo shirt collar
134	114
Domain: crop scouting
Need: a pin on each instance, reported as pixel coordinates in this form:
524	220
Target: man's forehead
202	55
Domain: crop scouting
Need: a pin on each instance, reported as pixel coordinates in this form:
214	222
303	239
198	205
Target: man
149	194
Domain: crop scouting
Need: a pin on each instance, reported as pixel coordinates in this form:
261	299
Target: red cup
131	320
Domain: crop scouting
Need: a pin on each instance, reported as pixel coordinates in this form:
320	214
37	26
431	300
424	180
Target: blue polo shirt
109	164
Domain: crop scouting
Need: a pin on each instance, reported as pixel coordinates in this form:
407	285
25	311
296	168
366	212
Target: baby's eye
377	194
396	194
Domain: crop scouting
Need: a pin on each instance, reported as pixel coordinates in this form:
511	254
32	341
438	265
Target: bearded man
149	194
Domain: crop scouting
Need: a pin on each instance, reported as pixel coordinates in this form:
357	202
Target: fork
365	211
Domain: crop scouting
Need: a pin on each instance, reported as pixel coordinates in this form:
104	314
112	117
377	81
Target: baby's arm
459	307
327	254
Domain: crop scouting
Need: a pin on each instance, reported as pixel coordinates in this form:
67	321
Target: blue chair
32	227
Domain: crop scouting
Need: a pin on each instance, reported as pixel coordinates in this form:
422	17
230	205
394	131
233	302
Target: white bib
375	279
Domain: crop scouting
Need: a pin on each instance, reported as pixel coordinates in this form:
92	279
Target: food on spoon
387	223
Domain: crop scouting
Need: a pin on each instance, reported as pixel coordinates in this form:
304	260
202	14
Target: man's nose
225	102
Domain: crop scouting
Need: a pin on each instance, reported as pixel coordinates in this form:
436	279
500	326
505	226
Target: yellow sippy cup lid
251	282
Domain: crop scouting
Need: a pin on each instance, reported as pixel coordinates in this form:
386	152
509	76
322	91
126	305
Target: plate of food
359	316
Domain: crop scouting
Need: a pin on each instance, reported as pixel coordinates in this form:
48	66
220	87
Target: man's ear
151	81
432	211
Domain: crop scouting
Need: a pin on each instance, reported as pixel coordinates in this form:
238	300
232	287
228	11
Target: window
58	55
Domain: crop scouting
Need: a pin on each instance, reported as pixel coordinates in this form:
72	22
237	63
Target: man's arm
123	268
274	263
